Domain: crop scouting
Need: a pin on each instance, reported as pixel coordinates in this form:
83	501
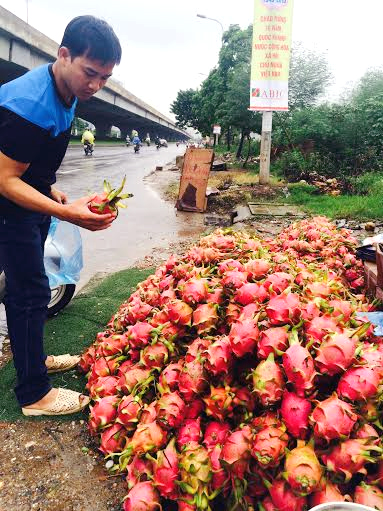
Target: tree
184	108
309	77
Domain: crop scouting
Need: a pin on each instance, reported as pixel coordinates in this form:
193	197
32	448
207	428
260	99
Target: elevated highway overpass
22	48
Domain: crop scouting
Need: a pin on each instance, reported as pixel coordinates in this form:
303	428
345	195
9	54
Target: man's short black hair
93	38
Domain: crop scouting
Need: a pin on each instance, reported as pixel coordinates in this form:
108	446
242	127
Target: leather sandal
66	402
61	363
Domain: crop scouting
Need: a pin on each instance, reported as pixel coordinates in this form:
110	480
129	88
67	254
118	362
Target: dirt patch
51	466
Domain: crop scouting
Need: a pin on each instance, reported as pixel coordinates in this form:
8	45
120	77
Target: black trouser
27	296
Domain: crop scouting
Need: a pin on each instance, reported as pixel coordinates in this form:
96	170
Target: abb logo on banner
267	93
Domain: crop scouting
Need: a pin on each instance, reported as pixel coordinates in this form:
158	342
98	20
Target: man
87	138
36	112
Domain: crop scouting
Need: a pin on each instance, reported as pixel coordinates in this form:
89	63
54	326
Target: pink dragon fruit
372	355
277	282
196	349
192	380
243	337
215	433
113	345
283	497
228	265
103	413
189	432
87	359
132	378
195	290
341	309
250	292
218	356
139	334
234	279
142	497
335	354
368	431
299	368
235	454
320	326
333	418
328	492
170	410
303	471
268	381
129	411
194	409
295	414
220	403
269	418
369	495
179	312
149	413
147	437
272	340
113	439
350	457
103	386
154	356
139	469
283	309
205	317
249	311
232	313
220	476
166	471
358	384
268	446
257	268
168	379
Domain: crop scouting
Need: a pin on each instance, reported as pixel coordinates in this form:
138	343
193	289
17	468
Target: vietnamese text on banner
269	85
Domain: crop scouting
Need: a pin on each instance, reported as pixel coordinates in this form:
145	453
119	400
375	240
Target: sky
166	47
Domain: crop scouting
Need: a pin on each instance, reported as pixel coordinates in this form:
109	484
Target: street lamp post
217	21
212	19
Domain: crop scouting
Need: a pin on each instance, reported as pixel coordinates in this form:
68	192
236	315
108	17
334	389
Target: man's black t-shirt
35	126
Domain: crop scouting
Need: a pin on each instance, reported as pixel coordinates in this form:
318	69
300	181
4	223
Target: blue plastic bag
376	318
63	253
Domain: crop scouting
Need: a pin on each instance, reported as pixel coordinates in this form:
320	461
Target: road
147	223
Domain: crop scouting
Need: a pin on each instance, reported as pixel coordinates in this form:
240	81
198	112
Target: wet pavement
147	224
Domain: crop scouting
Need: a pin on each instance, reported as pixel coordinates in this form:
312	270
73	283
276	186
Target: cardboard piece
195	174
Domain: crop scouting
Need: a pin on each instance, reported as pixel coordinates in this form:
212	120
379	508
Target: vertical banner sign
271	55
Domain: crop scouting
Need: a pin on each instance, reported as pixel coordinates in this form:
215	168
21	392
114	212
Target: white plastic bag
63	253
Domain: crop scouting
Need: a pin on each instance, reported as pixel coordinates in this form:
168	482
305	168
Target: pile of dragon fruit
240	377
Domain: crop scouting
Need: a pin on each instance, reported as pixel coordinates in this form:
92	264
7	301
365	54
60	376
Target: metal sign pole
264	163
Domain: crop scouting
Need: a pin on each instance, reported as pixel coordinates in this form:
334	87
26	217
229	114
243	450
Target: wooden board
195	174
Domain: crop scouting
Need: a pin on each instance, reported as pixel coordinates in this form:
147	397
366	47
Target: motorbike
136	148
88	148
63	263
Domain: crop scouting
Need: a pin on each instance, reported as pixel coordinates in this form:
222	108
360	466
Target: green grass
355	207
73	330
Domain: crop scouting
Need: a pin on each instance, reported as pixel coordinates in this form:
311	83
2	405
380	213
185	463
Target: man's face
84	76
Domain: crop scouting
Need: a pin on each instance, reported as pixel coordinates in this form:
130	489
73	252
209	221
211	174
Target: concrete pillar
102	129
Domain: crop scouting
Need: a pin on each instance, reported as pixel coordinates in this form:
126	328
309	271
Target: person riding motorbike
157	142
128	141
88	141
147	140
136	143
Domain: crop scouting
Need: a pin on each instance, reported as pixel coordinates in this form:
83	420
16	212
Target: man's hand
59	196
78	213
